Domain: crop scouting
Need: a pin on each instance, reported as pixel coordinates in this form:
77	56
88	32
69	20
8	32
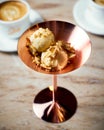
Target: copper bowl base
64	108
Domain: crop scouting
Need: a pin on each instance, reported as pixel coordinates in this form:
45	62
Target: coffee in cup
100	2
12	10
14	17
95	12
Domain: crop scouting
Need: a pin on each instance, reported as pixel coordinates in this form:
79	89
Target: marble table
19	84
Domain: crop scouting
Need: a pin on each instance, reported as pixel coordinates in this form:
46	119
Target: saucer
10	45
79	16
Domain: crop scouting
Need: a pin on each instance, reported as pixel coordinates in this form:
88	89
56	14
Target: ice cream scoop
42	39
54	58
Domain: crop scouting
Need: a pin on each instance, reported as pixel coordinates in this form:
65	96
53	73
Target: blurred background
19	84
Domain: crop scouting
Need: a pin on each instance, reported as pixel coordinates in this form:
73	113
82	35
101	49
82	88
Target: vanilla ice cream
54	57
47	53
41	39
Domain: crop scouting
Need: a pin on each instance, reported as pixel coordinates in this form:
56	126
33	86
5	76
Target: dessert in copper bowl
54	47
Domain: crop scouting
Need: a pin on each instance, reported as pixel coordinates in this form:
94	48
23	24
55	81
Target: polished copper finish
63	109
62	31
60	104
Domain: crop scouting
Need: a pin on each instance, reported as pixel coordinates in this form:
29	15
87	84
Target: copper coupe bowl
63	31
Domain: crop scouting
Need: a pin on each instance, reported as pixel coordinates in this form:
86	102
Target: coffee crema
12	10
100	2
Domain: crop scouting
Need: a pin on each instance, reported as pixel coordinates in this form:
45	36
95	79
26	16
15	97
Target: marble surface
19	84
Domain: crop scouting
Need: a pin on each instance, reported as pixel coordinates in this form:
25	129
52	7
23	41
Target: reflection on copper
51	88
58	112
62	31
55	112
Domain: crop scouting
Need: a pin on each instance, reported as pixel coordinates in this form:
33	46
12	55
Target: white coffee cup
95	12
14	28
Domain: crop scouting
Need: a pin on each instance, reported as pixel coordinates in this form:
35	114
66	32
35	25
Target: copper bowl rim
63	31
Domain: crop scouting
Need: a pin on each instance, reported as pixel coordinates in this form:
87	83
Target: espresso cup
14	17
95	12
